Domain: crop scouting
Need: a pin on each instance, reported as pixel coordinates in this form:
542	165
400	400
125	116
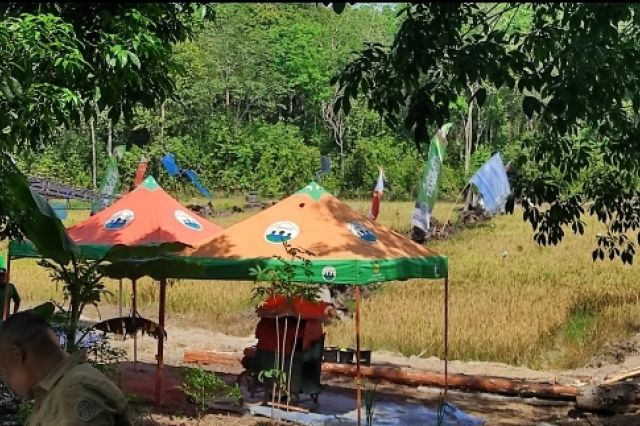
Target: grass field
537	306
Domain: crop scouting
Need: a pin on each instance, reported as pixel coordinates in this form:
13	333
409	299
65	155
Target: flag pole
454	206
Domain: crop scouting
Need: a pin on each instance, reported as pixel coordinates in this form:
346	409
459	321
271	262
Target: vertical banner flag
377	195
109	182
142	169
428	187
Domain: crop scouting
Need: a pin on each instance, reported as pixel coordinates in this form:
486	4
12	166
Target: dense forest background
254	112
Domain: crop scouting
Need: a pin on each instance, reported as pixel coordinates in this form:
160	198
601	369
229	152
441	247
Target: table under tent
141	225
349	250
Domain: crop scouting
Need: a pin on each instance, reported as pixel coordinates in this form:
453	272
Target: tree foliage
575	68
62	64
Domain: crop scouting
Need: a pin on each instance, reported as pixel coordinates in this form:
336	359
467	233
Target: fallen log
406	376
231	359
609	399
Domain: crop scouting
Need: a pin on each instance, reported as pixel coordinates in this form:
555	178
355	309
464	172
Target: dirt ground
497	410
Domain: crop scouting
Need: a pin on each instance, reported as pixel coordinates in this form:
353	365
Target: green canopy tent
350	249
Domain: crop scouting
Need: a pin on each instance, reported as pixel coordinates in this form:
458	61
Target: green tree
442	49
64	63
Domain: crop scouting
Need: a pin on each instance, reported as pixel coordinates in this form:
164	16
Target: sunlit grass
535	306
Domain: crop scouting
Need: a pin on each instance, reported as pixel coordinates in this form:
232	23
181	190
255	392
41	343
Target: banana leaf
35	216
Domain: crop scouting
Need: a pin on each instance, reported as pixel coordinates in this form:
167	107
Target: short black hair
27	330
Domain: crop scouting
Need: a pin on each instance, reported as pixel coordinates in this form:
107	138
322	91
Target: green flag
430	182
110	181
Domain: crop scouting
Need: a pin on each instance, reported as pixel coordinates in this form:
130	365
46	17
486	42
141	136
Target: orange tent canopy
348	247
146	216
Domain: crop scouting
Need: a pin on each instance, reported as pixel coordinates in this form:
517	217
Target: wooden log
609	399
231	359
487	384
407	376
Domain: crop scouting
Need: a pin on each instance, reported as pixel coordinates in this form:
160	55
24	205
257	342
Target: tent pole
446	335
120	298
358	378
5	301
163	294
134	313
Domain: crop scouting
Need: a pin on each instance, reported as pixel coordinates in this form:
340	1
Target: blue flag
492	183
169	163
193	177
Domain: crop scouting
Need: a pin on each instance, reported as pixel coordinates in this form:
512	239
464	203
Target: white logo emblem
119	220
362	232
280	232
329	273
187	220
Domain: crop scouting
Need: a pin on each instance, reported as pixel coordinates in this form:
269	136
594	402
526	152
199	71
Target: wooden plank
622	376
285	407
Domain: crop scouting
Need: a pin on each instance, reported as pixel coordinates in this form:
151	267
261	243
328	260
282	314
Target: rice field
510	300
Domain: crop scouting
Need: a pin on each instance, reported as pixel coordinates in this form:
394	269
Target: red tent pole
446	335
134	308
163	295
358	378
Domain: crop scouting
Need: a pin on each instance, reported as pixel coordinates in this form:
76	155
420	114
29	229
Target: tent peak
150	183
313	190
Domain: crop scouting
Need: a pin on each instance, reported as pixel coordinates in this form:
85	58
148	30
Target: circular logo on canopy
119	220
280	232
329	273
362	232
187	220
376	268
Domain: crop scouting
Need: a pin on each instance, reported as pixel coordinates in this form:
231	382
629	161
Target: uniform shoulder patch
85	409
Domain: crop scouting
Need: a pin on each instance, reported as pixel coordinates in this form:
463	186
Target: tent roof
145	216
349	248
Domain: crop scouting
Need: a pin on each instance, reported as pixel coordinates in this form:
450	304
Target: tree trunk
162	125
468	139
227	93
467	152
109	138
73	323
341	159
93	155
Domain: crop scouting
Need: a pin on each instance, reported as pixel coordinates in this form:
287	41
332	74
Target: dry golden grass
536	306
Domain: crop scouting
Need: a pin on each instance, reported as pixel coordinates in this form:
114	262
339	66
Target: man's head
27	343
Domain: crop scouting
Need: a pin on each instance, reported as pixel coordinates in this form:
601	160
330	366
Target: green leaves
576	68
531	105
